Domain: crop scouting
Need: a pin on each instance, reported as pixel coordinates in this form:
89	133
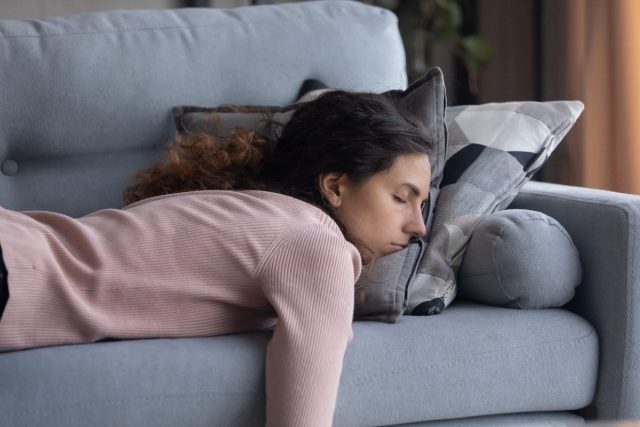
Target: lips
398	246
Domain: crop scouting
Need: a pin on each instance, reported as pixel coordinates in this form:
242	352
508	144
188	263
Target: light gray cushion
86	99
492	151
472	360
522	259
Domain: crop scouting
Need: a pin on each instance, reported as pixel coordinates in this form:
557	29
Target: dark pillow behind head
521	259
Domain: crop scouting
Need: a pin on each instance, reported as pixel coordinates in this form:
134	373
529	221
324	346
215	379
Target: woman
240	235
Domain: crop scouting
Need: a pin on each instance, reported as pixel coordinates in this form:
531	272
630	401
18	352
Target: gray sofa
86	101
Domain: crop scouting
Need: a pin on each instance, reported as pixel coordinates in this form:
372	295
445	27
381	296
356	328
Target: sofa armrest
605	227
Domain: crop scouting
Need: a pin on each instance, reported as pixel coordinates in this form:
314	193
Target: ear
332	187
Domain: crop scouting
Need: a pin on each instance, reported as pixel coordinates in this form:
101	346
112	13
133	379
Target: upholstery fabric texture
381	293
521	259
605	227
481	360
492	151
86	99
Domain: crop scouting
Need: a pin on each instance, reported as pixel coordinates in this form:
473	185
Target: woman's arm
309	279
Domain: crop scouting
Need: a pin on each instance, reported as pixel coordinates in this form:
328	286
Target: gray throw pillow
521	259
380	294
492	151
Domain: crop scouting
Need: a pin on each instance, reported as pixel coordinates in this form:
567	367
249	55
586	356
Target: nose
415	224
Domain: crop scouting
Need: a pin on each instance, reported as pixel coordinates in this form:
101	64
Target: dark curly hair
202	162
359	134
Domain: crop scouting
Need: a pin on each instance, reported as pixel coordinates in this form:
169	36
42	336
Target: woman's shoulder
269	209
221	194
316	248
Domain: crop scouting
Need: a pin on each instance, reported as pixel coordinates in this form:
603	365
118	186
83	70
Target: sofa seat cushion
471	360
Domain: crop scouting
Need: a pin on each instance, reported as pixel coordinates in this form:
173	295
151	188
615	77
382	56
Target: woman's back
113	271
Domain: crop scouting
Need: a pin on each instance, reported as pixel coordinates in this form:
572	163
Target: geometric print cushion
493	150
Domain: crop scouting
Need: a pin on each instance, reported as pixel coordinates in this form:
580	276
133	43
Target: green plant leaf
449	35
475	50
450	14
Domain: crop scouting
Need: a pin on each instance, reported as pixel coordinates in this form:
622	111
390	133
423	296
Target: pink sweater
200	263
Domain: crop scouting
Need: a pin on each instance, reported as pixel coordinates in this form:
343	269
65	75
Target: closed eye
399	199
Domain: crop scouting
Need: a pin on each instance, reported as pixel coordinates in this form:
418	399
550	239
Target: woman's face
385	210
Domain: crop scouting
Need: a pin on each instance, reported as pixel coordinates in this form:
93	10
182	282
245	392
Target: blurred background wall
498	51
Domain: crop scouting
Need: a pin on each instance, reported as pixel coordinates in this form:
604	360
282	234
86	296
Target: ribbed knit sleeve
308	276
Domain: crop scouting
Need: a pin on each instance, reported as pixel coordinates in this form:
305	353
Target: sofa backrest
85	100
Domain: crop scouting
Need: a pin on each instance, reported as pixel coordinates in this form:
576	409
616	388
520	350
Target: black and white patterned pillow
493	150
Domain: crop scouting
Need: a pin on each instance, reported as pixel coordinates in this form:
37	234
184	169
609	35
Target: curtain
596	59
